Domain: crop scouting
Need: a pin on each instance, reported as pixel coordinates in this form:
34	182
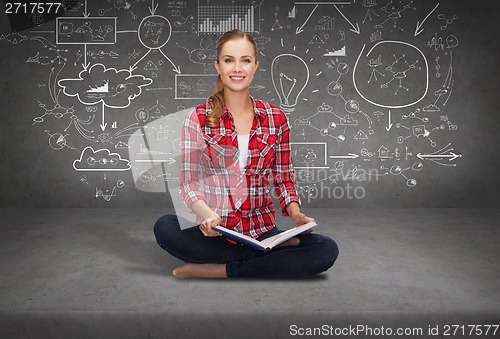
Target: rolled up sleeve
190	156
283	172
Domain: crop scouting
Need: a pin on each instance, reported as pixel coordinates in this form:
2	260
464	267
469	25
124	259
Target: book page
277	239
241	238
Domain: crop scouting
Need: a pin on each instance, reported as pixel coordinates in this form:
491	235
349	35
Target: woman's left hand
301	219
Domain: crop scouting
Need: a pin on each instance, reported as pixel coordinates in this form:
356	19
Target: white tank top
243	147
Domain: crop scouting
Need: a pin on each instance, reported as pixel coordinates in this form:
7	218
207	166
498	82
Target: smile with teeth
237	77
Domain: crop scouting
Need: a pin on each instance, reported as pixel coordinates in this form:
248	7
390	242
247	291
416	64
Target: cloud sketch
115	88
101	160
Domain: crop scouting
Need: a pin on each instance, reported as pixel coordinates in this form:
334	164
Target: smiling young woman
230	145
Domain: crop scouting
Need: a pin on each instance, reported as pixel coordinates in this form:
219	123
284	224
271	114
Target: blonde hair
217	97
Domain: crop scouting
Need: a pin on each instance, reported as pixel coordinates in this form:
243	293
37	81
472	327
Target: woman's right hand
206	227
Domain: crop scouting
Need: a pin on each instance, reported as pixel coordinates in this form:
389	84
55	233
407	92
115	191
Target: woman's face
237	64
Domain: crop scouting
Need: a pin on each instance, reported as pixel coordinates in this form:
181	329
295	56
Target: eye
228	60
247	61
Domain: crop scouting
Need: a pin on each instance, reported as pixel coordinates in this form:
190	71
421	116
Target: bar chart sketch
219	19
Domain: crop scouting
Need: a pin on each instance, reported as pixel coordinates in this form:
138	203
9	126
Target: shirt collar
256	124
255	109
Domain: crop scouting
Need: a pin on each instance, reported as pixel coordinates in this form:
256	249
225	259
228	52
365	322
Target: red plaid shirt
210	170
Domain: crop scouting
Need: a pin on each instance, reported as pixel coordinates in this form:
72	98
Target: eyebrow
243	56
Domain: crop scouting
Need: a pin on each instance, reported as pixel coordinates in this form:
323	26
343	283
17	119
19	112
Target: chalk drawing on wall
446	89
101	160
181	20
326	23
205	55
120	5
97	83
57	141
374	63
219	19
447	21
290	76
14	38
394	13
310	154
400	73
335	127
374	94
276	26
59	57
397	170
154	31
107	194
81	30
369	4
336	53
194	86
390	82
413	115
442	157
437	67
58	111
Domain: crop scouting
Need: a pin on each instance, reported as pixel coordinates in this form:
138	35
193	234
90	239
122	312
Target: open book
265	244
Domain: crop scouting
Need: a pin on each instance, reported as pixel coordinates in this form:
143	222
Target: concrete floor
98	273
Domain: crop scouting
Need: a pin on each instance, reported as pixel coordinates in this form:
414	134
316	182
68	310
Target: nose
237	66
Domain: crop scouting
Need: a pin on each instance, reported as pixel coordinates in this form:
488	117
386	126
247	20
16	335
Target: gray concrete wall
437	78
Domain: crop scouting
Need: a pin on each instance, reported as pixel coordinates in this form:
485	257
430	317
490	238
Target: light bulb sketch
290	76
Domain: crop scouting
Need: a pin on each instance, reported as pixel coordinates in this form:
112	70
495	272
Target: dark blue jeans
315	254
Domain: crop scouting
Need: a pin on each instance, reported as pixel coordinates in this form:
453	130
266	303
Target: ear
216	65
256	66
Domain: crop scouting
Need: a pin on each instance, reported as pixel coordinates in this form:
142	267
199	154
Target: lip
237	78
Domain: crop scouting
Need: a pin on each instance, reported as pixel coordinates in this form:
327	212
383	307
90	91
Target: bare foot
190	270
290	242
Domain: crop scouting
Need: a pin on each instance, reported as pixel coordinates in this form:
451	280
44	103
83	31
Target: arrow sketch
419	30
390	123
153	8
440	155
85	13
300	29
350	156
103	124
354	29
